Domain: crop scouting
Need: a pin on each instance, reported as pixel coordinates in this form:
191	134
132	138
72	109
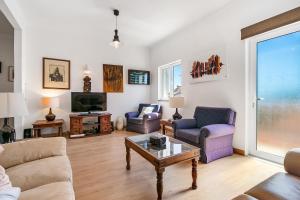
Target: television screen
88	102
138	77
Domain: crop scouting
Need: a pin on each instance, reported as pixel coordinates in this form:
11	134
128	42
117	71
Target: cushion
40	172
278	187
146	110
155	106
207	116
4	179
135	120
10	193
1	149
192	135
29	150
52	191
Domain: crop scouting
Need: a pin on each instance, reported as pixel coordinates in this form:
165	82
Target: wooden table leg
164	129
159	185
128	158
194	173
60	131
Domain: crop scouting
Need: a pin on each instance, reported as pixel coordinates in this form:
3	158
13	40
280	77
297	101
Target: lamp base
7	133
176	115
50	116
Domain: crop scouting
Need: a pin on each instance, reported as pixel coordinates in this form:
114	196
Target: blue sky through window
278	68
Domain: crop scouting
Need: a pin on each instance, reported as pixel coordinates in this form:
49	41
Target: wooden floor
99	173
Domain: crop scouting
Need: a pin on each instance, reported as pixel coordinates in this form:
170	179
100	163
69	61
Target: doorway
275	82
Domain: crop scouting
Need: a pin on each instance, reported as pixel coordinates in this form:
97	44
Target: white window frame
251	102
169	66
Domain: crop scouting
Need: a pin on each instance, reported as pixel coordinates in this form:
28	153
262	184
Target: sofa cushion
135	120
52	191
278	187
192	135
40	172
28	150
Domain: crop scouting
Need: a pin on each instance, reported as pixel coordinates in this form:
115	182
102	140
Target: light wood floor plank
99	171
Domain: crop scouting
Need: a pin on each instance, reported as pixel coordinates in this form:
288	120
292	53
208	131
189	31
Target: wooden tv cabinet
99	124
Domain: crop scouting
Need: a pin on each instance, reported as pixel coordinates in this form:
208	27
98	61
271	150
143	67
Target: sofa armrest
184	124
131	115
292	162
217	130
29	150
151	116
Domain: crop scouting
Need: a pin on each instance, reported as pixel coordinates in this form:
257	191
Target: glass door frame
252	99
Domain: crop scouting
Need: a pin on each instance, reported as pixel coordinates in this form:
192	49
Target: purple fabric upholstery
149	123
213	133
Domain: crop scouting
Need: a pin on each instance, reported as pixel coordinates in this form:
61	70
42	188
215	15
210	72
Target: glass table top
173	147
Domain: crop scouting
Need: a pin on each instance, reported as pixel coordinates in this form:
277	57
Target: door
276	106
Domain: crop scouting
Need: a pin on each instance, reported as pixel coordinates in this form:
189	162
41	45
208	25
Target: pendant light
116	41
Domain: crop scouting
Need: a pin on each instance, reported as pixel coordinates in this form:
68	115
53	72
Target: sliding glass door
277	95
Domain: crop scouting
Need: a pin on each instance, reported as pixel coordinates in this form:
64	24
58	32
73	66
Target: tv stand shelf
100	123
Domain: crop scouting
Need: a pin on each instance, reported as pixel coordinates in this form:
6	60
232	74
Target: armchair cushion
146	110
217	130
156	107
135	120
131	114
191	135
185	124
151	116
209	115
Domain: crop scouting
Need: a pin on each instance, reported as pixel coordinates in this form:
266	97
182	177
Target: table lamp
12	105
50	102
176	102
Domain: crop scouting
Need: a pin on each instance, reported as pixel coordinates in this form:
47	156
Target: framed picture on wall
11	73
112	78
56	73
0	67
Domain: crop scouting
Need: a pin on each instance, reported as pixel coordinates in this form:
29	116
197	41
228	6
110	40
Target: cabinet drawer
76	130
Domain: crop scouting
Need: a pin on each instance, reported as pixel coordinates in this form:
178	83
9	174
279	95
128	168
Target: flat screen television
88	102
138	77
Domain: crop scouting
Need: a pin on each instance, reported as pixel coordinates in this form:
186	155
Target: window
170	80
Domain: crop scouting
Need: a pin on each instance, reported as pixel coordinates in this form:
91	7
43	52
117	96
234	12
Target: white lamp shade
12	105
176	102
50	102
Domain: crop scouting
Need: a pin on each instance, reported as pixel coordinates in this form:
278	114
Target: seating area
149	100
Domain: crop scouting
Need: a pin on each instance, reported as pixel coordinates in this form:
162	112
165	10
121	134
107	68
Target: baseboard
239	151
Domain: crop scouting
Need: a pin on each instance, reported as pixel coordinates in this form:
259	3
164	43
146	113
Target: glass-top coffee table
174	152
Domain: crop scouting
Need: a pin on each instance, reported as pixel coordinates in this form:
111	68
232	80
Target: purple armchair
211	129
149	123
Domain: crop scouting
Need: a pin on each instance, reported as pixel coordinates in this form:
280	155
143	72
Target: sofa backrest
157	107
211	115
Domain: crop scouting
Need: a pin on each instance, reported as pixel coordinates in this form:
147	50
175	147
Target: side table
41	124
166	125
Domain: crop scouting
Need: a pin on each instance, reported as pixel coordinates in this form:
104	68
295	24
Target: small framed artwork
11	73
0	67
56	73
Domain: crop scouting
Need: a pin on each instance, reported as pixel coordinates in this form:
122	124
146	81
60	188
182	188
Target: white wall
81	47
7	59
219	30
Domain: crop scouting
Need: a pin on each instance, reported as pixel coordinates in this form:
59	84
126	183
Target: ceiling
5	26
141	21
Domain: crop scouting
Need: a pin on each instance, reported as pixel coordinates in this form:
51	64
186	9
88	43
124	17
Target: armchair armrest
292	162
217	130
184	124
152	116
30	150
131	114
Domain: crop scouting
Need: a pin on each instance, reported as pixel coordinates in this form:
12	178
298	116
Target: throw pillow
4	179
146	110
11	193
